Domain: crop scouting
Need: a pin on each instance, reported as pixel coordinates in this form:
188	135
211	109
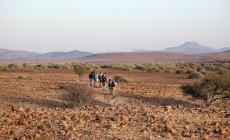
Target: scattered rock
205	137
12	132
42	127
8	120
23	121
167	128
74	117
116	119
168	108
37	136
23	138
168	136
124	117
193	136
223	131
115	138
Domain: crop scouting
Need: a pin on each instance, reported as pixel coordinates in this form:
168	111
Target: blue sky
112	25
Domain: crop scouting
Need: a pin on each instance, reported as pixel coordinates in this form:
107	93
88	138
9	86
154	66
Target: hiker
100	79
112	85
91	78
95	78
103	80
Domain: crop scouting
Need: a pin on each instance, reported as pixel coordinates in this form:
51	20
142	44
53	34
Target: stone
23	138
193	136
124	118
116	119
8	120
171	122
74	117
205	137
115	138
42	127
37	136
168	128
23	121
29	118
223	131
12	132
167	108
123	125
93	137
168	136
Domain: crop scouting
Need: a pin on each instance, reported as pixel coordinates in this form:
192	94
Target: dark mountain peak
191	43
66	55
191	47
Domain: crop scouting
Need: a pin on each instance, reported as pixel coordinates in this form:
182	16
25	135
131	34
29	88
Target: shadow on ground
158	101
48	103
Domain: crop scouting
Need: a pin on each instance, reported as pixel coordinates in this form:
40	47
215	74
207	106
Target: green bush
153	69
105	66
21	77
120	78
190	71
195	75
201	70
2	68
13	66
210	67
80	70
41	66
167	71
180	71
223	71
211	89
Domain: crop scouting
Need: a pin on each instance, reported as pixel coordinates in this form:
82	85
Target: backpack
90	75
103	77
99	77
113	84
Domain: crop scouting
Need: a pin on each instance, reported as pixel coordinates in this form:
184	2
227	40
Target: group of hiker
100	80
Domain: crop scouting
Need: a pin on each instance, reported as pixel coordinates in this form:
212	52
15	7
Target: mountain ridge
70	54
188	48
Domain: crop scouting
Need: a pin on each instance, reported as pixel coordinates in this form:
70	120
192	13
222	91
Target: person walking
112	86
95	79
91	78
104	80
100	79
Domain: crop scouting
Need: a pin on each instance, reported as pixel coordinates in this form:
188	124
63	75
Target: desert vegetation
211	89
153	101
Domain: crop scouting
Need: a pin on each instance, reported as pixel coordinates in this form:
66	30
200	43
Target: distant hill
141	50
223	49
9	54
155	57
129	57
71	54
134	57
190	48
3	50
15	54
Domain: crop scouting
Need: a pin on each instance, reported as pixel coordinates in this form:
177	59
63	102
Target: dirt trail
104	97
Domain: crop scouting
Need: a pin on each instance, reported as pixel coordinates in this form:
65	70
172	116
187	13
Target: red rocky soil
150	107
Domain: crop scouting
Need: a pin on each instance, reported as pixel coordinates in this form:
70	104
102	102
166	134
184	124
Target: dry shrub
80	94
120	78
211	89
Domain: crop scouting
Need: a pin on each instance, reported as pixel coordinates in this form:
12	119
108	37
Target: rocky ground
151	107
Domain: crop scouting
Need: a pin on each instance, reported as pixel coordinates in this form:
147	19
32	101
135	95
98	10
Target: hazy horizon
100	26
